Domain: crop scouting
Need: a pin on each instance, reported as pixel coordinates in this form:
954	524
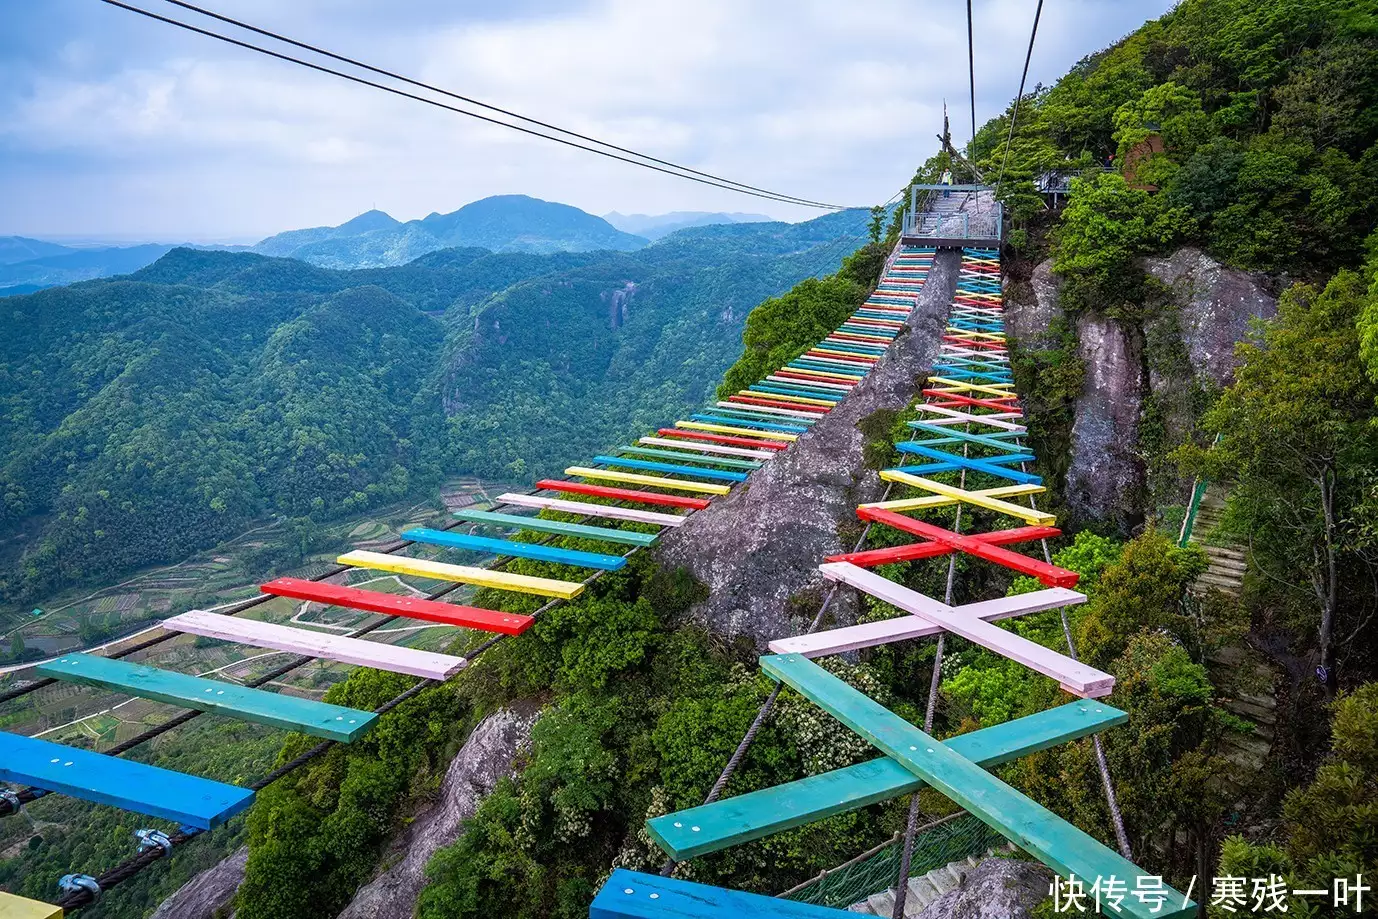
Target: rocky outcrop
486	757
1032	308
1217	305
1105	477
758	549
207	895
997	888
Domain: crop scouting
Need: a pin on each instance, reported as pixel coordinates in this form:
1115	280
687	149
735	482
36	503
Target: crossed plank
1051	575
1027	514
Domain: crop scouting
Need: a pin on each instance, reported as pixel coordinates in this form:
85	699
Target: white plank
592	510
994	419
707	448
393	658
777	411
1074	676
812	384
870	634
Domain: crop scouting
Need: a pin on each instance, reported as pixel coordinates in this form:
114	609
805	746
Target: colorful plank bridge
634	493
969	423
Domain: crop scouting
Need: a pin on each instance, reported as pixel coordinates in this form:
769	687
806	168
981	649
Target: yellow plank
968	333
913	504
1027	514
994	389
440	571
729	429
609	475
13	907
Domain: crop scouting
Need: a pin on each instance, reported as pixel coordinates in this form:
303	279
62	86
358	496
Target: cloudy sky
117	127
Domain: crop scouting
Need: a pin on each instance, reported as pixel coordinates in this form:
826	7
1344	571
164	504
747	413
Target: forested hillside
150	416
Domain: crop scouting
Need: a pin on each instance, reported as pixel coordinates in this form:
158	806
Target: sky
116	127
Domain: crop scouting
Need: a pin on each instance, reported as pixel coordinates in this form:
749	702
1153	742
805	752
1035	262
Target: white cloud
185	138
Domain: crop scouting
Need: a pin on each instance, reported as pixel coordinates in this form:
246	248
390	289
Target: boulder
209	894
997	888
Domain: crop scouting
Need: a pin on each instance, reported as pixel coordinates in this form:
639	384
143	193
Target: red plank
623	494
776	403
722	439
973	343
956	400
373	601
1050	575
872	557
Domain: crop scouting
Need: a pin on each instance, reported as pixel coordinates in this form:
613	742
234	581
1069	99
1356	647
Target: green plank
541	525
1024	822
633	895
319	719
732	821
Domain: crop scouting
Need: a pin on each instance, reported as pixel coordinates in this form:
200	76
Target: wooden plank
739	413
319	719
592	510
795	378
987	465
705	448
559	527
913	504
800	416
869	558
1074	676
739	419
1029	825
119	782
15	907
692	457
632	478
633	895
871	634
732	821
775	402
625	494
722	439
472	543
1027	514
992	419
997	441
463	574
721	475
374	601
393	658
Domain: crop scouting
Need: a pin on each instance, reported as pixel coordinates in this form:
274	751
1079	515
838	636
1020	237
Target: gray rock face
208	894
760	546
1029	318
1217	305
1105	477
998	888
485	758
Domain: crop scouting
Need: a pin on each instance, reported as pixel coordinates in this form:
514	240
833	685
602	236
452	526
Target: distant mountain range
374	239
654	226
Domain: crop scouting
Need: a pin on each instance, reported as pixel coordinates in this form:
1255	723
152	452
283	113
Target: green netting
948	840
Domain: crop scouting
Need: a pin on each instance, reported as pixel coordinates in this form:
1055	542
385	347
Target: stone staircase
1227	562
923	890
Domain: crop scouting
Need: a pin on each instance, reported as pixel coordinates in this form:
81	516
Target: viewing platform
953	217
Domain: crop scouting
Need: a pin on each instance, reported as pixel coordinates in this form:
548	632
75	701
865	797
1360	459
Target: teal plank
700	458
517	549
732	821
721	475
120	783
1028	824
996	441
633	895
319	719
541	525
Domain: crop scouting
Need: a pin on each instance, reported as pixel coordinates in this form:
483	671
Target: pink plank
870	634
994	419
592	510
315	644
1075	677
706	448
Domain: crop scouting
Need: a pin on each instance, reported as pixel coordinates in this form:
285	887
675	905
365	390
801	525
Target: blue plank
319	719
721	475
989	465
750	421
800	391
1013	475
473	543
764	414
705	459
119	782
851	348
818	363
994	439
732	821
633	895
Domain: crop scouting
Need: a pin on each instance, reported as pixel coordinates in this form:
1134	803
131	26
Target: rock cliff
758	549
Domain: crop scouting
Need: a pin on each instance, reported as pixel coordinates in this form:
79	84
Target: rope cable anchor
76	883
153	839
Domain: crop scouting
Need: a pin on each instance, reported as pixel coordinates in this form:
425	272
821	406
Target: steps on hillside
1249	682
923	890
1228	562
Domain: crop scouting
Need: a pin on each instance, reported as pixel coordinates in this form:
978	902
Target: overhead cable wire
971	64
1014	116
344	59
250	46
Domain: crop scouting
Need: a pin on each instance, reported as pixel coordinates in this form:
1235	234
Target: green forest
150	416
1266	115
